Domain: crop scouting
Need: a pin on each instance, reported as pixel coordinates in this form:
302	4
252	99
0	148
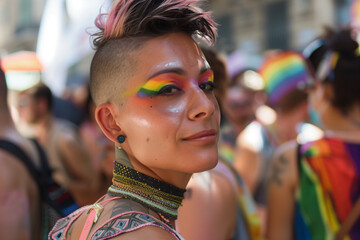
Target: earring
121	138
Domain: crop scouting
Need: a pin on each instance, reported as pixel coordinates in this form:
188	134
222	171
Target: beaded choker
159	196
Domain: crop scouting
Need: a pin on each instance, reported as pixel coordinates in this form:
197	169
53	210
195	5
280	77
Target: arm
209	208
281	194
247	162
83	180
14	207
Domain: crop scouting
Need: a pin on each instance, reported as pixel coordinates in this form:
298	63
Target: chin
206	163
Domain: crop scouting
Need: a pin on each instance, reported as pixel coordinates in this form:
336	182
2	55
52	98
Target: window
277	25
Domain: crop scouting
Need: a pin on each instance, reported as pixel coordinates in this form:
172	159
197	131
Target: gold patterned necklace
152	193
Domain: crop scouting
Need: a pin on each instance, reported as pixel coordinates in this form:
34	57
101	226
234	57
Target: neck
335	121
353	116
178	179
285	128
152	193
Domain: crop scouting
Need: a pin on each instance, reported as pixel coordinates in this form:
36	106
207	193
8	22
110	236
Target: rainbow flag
283	72
328	189
22	70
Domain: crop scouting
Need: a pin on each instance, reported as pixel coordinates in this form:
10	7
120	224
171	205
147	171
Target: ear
105	115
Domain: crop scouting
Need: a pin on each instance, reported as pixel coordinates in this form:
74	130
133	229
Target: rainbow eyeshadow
154	85
207	76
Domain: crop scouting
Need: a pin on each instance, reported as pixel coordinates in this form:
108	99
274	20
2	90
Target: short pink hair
135	18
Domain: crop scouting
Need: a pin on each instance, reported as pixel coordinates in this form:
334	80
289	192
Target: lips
206	135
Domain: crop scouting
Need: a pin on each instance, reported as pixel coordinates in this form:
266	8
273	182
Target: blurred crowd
289	149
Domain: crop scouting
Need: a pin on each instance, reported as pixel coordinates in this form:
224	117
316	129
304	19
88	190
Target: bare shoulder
15	189
223	181
205	185
284	166
210	202
11	169
13	172
251	138
223	192
14	175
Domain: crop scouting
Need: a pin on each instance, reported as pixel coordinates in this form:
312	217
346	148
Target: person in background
243	96
67	157
314	187
154	97
99	147
20	208
217	199
283	72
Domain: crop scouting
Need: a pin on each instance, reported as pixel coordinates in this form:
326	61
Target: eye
207	86
168	90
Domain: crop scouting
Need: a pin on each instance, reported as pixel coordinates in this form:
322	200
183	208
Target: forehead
170	51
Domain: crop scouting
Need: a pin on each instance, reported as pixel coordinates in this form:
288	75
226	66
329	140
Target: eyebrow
178	71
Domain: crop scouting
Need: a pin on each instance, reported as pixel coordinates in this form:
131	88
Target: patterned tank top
329	186
113	227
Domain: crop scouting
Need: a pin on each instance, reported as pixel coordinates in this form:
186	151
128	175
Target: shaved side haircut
124	30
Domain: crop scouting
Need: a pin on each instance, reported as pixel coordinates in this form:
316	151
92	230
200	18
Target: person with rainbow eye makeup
153	91
314	187
218	198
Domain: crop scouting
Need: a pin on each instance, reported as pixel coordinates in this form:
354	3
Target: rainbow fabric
21	61
329	187
22	69
245	202
283	72
226	151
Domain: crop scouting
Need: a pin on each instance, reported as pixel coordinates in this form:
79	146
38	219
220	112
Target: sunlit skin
168	112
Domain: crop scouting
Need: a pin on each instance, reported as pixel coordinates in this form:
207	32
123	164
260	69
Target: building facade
255	26
251	25
19	24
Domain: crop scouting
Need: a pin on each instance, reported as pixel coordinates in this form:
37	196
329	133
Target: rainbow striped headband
283	73
22	69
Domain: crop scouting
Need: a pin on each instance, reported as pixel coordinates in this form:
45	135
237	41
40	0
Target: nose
201	105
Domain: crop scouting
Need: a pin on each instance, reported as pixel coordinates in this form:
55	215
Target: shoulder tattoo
278	169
